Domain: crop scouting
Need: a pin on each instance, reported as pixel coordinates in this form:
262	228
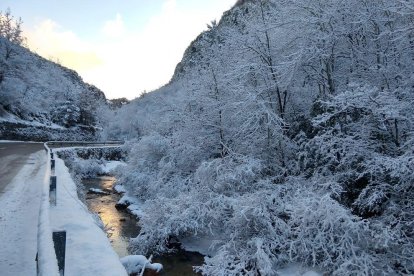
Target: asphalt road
22	174
13	156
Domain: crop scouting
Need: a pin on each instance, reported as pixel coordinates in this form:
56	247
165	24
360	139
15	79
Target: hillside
284	137
42	100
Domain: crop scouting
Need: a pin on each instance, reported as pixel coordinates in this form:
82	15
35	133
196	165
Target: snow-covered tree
285	136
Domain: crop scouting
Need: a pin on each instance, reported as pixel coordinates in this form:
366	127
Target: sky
123	47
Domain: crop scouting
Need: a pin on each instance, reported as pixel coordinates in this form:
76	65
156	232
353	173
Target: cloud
50	41
124	60
169	5
114	28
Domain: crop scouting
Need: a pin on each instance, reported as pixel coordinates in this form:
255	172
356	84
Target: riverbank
121	225
88	251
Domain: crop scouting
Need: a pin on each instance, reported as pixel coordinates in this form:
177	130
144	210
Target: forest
284	136
41	100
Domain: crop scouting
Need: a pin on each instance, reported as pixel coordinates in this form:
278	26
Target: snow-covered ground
88	251
136	263
15	141
14	119
111	166
19	210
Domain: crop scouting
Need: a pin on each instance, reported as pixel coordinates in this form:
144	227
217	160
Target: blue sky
124	47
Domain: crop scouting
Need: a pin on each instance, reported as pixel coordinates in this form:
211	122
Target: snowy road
21	176
12	158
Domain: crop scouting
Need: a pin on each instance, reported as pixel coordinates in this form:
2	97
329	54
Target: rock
97	191
121	206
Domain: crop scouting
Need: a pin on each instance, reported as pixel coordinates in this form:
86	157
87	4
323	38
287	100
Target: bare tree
11	28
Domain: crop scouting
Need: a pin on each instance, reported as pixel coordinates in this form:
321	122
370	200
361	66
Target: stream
120	226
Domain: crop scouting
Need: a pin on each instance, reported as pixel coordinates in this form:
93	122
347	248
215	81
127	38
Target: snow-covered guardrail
46	258
52	144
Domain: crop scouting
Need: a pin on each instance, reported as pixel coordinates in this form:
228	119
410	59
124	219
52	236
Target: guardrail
51	246
46	257
52	144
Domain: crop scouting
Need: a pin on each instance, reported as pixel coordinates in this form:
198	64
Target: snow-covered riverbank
88	251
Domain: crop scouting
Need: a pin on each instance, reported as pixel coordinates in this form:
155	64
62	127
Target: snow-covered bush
285	136
81	168
66	114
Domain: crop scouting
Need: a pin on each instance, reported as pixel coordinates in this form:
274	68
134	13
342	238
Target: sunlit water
121	226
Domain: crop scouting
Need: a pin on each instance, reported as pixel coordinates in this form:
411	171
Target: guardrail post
37	263
52	191
52	164
59	240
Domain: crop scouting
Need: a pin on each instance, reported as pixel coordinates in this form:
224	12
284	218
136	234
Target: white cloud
114	28
51	41
169	5
126	62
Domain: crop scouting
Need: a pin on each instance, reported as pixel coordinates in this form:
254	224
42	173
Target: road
22	174
12	158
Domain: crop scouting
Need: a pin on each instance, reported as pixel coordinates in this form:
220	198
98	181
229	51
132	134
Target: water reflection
121	226
180	263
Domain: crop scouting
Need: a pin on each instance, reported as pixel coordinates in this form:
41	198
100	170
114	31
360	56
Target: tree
11	28
335	194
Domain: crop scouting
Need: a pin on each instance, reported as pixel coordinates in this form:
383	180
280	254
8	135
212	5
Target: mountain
42	100
284	137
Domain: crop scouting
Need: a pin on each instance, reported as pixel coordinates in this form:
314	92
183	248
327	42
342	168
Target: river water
120	226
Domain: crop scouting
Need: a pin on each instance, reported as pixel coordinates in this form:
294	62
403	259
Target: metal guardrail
52	144
59	241
52	262
46	257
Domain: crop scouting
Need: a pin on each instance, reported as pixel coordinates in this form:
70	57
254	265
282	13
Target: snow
15	141
14	119
19	215
133	203
135	263
279	181
98	191
110	166
88	250
297	270
30	83
128	200
202	245
120	189
46	261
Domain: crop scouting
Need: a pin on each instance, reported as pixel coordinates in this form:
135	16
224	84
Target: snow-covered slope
42	100
285	137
